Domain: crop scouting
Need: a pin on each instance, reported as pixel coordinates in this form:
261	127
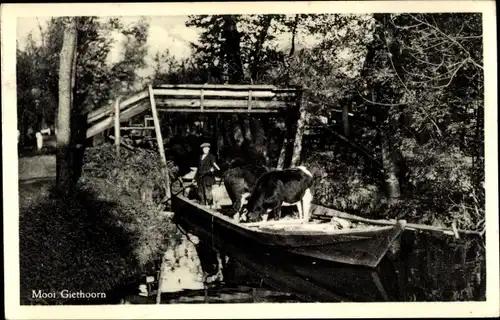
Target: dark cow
248	162
281	187
239	182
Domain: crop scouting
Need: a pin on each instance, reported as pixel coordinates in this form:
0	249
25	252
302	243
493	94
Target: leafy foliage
96	79
421	80
257	47
138	173
106	233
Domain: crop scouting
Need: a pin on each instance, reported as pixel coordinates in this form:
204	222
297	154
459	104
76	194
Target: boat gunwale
294	243
257	231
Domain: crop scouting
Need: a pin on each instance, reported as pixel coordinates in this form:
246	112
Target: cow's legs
300	209
306	205
265	216
236	208
232	192
277	213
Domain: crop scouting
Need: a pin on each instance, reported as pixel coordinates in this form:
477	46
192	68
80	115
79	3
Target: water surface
425	267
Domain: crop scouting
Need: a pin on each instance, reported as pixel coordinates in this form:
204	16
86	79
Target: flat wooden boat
364	245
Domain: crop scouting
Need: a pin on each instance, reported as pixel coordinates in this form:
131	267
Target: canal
200	268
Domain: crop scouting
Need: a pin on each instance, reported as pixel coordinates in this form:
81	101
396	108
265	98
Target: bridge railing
224	98
205	98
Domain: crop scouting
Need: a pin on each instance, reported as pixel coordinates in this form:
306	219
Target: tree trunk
299	133
245	127
268	138
236	130
345	119
64	166
390	171
255	68
219	137
281	159
294	32
232	49
79	123
378	89
228	133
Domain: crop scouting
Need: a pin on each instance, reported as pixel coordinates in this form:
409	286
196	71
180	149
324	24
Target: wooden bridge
206	98
196	98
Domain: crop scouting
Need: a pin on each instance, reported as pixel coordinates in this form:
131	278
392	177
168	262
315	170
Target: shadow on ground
74	244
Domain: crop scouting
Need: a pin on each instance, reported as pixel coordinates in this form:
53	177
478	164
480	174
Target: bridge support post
117	126
159	138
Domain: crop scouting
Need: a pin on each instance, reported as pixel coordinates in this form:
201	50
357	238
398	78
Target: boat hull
362	247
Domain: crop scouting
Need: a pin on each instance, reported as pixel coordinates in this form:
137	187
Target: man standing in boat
204	175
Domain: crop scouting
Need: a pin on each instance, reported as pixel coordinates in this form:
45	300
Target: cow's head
254	217
253	213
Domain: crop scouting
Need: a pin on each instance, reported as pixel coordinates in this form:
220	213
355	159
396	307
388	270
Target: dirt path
36	175
37	167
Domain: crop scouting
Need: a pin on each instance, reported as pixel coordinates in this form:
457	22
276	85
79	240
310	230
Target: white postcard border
10	13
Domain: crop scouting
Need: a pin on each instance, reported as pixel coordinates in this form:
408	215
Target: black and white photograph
231	158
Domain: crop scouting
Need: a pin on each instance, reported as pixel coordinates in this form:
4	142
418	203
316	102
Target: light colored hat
206	144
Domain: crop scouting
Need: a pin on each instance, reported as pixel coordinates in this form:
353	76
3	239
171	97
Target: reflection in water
440	268
425	267
187	267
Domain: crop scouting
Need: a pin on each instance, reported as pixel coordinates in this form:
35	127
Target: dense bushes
92	241
441	187
342	186
103	235
139	173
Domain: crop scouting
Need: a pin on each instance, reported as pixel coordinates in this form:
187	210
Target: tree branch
380	103
412	96
449	38
452	76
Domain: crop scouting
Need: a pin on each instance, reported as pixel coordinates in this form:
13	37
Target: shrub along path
94	241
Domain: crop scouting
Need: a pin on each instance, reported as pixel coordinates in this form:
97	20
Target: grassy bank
107	233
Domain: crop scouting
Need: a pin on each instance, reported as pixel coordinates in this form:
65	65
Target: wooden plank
117	126
106	111
202	97
258	224
157	125
107	122
278	92
218	103
249	100
137	128
320	211
225	86
159	139
195	110
222	93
